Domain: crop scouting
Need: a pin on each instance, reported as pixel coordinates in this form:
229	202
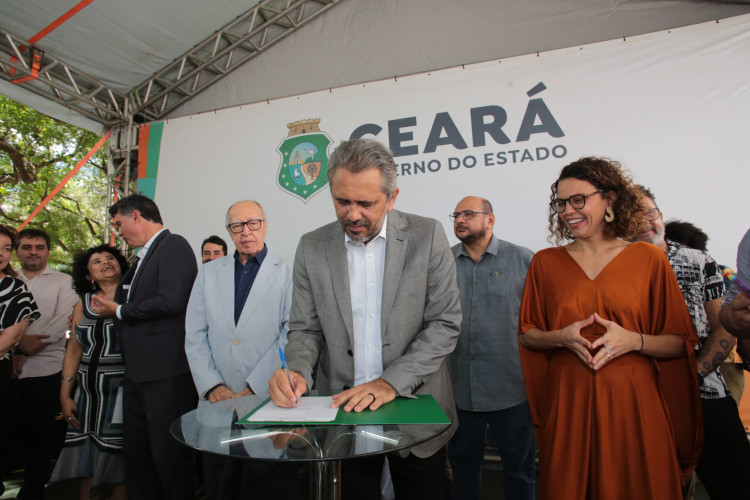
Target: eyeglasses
652	214
252	225
466	214
576	201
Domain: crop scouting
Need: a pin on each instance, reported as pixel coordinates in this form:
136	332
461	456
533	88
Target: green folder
422	410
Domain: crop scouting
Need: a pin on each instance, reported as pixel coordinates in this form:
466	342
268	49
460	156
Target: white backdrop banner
671	106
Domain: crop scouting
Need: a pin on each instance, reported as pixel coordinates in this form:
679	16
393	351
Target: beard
371	230
34	265
471	236
657	239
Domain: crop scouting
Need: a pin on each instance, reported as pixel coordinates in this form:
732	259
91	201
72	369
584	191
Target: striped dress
95	449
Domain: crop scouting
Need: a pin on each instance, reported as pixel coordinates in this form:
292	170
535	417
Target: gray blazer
220	351
420	318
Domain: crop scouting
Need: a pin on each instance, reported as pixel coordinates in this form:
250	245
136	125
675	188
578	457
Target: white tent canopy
118	53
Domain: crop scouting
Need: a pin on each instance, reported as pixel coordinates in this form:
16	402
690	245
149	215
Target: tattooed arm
719	343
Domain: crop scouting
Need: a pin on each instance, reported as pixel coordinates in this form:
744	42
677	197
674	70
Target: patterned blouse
16	304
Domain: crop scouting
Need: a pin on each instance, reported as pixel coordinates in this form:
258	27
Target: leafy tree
36	152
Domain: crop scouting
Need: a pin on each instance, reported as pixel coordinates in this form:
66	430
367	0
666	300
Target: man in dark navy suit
149	307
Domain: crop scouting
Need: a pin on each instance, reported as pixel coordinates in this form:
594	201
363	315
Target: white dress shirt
141	255
366	264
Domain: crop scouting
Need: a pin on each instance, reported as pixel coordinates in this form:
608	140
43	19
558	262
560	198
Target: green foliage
36	153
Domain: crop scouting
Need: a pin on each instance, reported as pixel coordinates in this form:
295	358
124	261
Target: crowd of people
606	353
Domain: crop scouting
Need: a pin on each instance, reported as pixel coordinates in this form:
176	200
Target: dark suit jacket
152	329
420	313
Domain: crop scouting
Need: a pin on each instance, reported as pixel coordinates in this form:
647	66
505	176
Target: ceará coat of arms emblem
304	159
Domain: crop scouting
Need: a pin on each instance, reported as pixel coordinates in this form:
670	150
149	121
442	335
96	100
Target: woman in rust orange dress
607	349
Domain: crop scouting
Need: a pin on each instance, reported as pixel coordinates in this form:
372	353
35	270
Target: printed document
311	409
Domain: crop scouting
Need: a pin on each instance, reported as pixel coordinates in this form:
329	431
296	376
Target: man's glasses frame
466	214
653	214
252	225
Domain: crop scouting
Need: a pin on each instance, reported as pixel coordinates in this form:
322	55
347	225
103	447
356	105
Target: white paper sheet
311	409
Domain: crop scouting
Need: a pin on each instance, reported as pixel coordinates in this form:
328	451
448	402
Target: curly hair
81	284
618	187
11	234
686	234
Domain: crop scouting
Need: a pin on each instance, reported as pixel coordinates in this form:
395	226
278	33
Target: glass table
213	428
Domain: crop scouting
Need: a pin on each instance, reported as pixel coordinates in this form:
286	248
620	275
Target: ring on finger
609	356
373	396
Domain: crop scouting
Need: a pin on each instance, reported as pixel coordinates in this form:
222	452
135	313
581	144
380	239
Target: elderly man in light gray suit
375	298
237	319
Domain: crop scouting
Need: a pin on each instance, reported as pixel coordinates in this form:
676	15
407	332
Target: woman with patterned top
17	311
93	443
17	306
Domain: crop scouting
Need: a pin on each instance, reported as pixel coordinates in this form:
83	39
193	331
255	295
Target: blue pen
286	370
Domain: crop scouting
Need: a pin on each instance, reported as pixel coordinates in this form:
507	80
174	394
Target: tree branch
24	168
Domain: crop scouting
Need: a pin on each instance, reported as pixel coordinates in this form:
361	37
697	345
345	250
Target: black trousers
724	467
232	479
157	466
5	367
413	478
33	404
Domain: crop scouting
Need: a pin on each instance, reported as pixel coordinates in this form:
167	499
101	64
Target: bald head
249	242
485	204
244	203
473	221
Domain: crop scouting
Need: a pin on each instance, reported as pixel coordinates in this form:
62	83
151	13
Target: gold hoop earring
609	215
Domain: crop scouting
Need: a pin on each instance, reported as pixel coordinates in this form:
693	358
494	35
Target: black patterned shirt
700	280
16	304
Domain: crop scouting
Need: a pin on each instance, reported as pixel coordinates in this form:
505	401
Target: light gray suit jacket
220	351
420	313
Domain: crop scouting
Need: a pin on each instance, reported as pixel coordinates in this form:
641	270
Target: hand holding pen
286	370
285	387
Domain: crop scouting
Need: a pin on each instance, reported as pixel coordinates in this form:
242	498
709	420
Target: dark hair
81	267
686	234
646	191
11	234
144	205
33	233
358	155
216	241
618	187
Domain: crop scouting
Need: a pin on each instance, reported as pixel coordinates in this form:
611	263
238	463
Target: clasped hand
222	393
615	342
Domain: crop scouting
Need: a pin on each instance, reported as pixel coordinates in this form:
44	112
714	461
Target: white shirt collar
144	249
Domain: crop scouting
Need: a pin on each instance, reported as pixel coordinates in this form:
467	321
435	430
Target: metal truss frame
59	82
218	55
203	65
122	168
206	63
